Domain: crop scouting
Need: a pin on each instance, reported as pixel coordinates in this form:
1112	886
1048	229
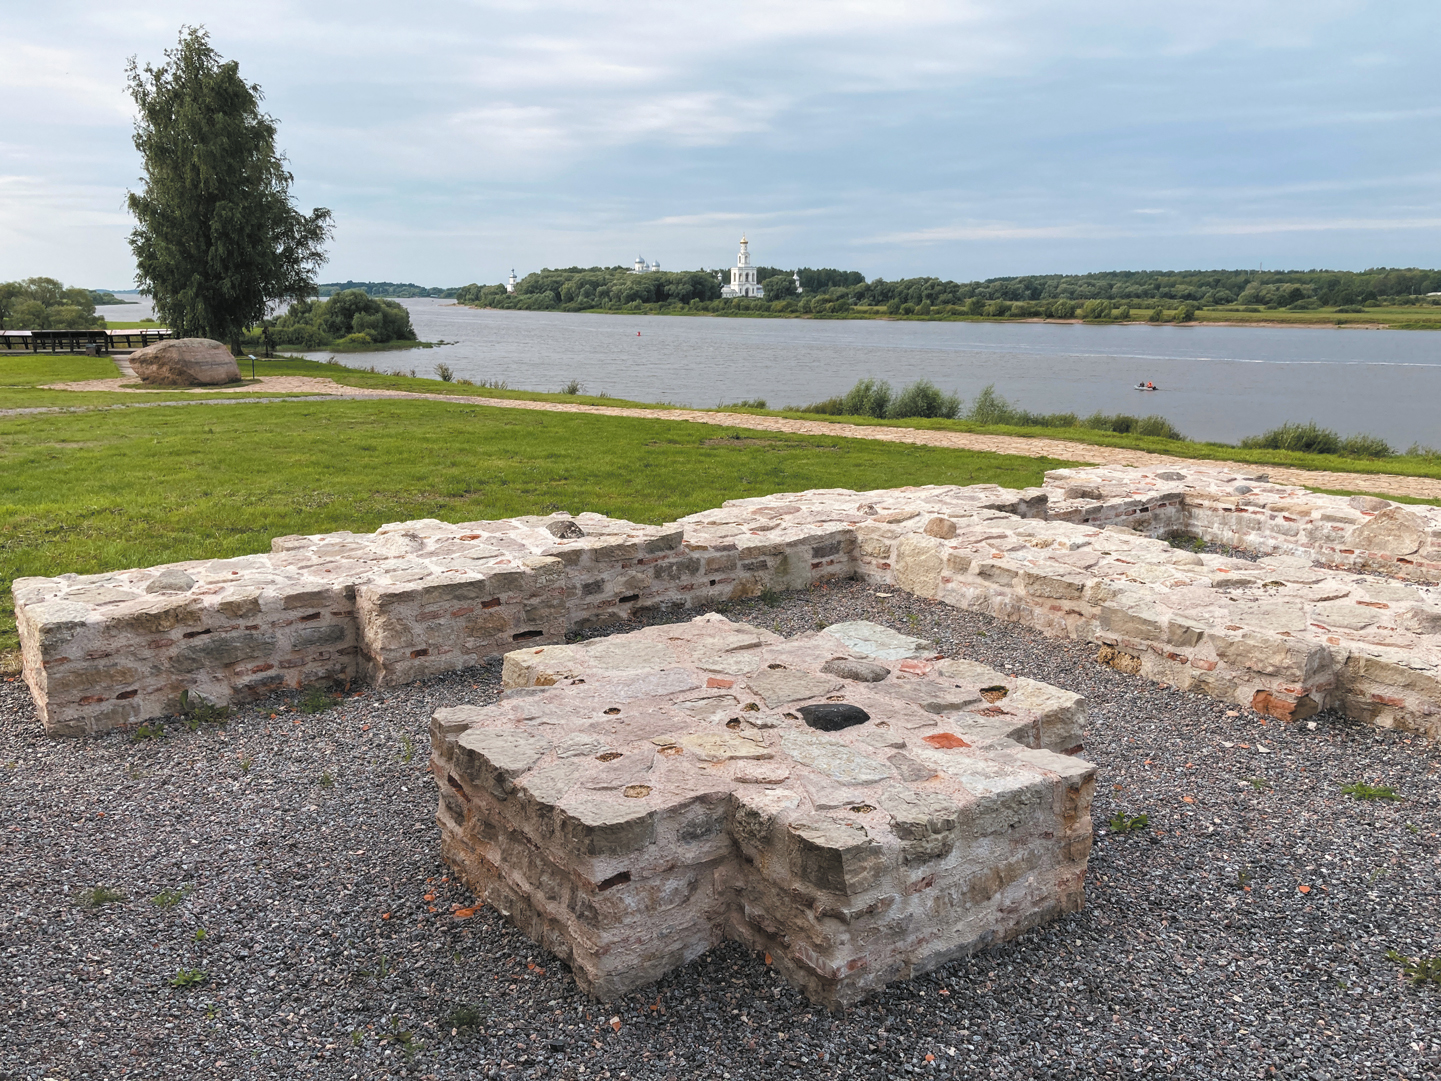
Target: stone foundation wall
632	801
1076	557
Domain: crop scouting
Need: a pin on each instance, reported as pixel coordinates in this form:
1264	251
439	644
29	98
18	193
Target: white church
743	277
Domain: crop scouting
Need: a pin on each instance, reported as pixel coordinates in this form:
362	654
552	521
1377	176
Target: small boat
1145	386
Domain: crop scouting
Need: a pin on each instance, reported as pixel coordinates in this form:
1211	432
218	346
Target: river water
1216	383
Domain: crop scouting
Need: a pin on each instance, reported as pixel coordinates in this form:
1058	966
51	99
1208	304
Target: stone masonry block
627	808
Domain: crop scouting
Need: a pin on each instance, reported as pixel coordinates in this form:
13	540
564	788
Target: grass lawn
360	377
34	369
24	377
1400	464
89	492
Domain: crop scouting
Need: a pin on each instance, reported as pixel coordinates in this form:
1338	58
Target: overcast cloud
963	139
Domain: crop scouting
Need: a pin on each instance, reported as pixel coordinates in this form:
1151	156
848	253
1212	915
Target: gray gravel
1198	954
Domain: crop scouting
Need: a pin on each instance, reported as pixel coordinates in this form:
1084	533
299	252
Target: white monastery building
743	276
641	267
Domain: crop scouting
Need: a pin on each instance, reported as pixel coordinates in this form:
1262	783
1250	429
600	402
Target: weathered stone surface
854	669
926	822
1395	531
919	563
676	819
879	643
835	855
836	760
170	580
777	686
185	362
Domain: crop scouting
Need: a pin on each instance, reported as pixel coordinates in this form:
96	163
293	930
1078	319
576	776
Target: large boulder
185	362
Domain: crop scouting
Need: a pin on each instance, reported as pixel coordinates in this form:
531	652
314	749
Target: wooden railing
94	342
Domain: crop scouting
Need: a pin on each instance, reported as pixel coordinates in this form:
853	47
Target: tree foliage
218	239
45	304
1109	295
315	323
386	289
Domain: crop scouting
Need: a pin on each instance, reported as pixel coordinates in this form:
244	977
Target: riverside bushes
350	316
990	408
874	398
1311	438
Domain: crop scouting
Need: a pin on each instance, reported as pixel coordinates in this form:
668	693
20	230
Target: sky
970	139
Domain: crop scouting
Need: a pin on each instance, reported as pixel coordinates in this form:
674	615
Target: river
1216	383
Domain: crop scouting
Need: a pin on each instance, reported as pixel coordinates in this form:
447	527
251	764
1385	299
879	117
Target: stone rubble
1340	612
632	801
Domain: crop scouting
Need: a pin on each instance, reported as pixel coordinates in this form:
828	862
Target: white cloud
447	134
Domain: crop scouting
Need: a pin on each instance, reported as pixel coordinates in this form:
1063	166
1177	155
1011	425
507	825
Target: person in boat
1150	385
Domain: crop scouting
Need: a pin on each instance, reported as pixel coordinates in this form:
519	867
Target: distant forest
1056	295
385	289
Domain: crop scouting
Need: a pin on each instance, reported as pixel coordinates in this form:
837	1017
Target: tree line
46	304
385	289
1154	295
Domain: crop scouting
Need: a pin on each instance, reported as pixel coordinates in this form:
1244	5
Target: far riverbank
1379	318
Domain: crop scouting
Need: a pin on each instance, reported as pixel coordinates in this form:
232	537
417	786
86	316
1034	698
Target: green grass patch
424	384
33	398
37	369
90	492
1401	465
1362	790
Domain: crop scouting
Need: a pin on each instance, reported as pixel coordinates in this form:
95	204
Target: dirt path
1381	483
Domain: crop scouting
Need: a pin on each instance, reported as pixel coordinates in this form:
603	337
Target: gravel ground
1242	933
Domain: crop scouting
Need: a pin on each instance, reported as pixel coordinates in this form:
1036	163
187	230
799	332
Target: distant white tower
796	277
743	276
640	265
510	285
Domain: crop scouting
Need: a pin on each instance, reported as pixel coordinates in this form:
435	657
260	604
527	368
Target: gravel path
1381	483
1241	934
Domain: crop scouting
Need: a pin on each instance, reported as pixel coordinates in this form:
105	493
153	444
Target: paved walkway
1381	483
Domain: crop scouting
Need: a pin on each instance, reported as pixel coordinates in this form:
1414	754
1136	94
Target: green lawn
89	492
17	372
32	369
425	384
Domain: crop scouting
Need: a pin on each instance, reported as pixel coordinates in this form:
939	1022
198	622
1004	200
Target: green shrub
1063	309
1366	446
923	399
868	398
1311	438
831	407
